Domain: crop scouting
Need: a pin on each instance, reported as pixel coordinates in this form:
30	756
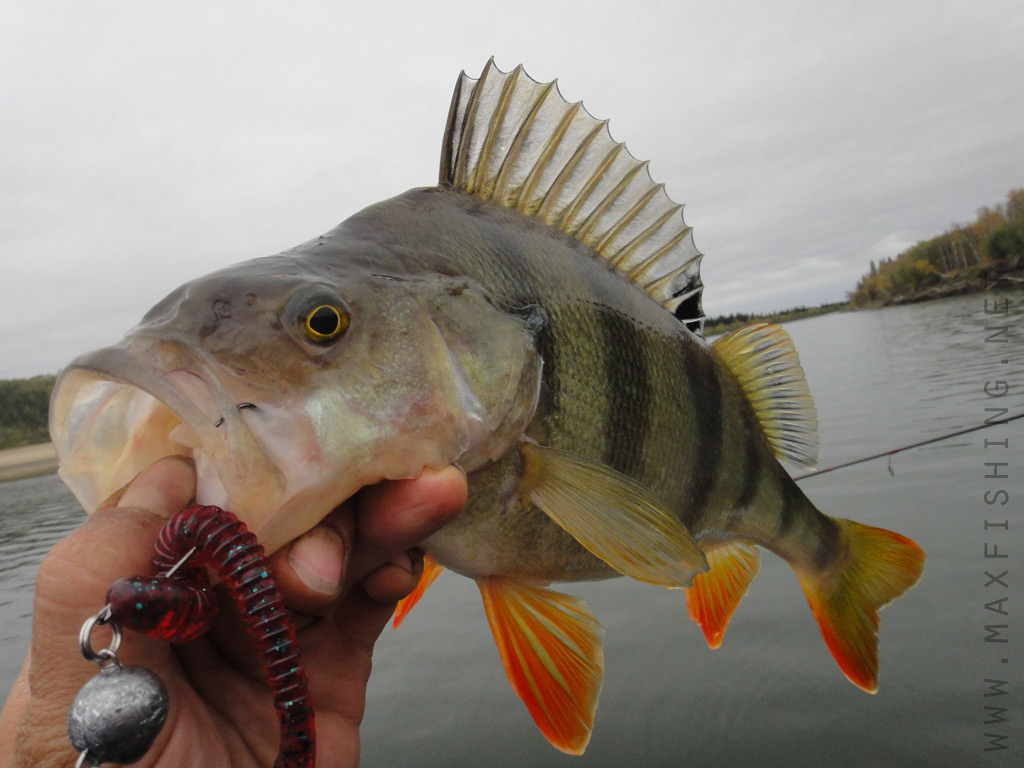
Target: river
771	695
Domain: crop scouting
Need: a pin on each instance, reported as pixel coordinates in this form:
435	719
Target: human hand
342	580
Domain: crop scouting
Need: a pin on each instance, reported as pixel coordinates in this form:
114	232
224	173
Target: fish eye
325	323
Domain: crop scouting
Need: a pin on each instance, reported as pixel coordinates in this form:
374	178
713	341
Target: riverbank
27	461
725	323
975	280
979	279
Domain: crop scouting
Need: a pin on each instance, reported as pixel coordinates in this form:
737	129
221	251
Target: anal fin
431	570
715	594
550	646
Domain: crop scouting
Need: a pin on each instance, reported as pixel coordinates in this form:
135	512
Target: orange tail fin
876	566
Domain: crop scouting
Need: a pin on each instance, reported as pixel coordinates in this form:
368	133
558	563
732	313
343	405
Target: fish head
292	385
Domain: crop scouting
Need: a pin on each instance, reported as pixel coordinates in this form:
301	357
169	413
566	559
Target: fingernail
318	558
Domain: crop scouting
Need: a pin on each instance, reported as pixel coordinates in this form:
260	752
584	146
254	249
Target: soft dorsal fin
519	144
763	359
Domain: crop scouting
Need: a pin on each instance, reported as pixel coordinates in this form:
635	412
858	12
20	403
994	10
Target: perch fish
535	318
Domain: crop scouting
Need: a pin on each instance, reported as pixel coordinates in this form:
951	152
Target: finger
311	570
164	488
395	516
395	579
72	581
338	652
13	714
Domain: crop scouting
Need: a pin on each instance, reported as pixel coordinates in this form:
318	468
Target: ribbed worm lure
118	714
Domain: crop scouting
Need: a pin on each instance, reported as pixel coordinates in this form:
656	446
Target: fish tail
874	567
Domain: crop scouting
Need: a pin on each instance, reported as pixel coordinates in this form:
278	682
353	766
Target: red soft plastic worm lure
179	605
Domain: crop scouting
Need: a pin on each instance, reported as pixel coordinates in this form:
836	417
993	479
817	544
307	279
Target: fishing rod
894	451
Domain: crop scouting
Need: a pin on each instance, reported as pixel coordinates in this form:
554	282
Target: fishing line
894	451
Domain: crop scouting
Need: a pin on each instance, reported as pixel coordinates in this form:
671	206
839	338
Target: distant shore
973	280
725	323
27	461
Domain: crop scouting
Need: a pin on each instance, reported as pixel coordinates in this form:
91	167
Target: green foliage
1005	242
913	274
24	406
957	260
930	252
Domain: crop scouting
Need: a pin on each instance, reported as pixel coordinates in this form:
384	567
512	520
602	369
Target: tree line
730	322
24	407
961	258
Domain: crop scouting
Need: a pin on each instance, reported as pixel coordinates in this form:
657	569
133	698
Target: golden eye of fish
325	323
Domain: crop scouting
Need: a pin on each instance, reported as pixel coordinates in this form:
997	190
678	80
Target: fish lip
99	393
137	365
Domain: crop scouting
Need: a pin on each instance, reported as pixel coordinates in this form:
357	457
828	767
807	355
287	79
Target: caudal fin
876	566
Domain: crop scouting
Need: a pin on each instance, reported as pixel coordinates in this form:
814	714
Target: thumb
71	586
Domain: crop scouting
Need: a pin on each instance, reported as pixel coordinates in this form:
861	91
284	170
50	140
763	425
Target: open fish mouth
117	410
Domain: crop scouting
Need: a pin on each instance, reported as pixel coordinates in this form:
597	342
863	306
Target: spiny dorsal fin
519	144
763	359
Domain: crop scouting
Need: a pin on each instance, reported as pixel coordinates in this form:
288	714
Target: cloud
143	146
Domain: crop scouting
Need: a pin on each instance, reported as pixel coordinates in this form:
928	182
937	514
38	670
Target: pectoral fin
715	594
550	646
613	516
431	570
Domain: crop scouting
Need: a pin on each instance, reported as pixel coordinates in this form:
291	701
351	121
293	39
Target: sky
143	145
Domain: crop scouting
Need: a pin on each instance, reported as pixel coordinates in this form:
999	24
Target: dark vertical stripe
819	534
828	541
751	464
627	421
706	391
790	496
